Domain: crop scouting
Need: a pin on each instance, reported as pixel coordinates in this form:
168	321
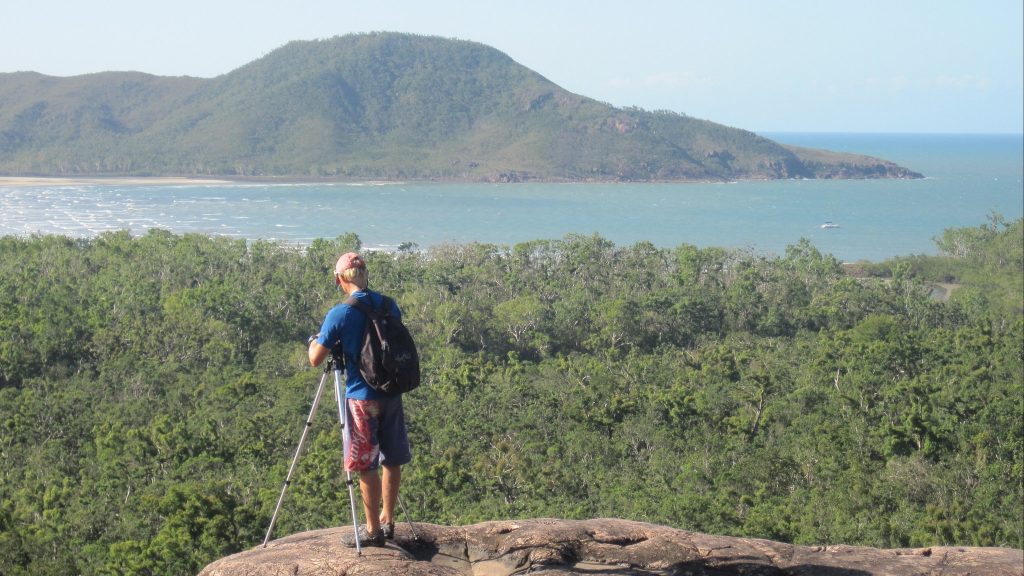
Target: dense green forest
381	106
153	389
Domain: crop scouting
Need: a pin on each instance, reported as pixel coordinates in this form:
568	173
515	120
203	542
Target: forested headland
153	389
383	106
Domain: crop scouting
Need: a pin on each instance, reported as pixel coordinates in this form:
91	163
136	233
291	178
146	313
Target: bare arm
317	353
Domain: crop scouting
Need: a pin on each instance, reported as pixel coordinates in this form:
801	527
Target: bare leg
369	487
392	480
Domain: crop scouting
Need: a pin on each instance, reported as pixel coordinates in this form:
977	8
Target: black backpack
387	358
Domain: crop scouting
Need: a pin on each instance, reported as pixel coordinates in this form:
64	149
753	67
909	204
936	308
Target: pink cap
349	260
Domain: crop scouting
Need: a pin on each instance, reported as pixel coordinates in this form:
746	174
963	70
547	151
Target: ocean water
968	177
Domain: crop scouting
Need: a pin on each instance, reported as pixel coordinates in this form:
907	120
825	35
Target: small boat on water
828	225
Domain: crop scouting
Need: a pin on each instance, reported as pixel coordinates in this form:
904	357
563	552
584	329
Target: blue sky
764	65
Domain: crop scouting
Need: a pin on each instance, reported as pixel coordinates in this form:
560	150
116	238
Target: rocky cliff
601	546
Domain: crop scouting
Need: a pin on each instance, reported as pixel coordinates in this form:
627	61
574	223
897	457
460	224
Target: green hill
382	105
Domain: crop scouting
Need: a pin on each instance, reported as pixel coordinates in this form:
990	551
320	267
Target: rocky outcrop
602	546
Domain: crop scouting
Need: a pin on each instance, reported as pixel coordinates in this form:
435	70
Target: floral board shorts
375	434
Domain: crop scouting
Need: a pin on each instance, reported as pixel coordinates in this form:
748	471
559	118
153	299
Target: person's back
342	334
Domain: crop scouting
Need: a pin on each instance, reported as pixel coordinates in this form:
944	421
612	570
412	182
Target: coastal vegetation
376	106
153	388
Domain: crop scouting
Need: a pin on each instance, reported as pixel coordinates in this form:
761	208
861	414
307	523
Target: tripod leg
295	459
343	420
408	518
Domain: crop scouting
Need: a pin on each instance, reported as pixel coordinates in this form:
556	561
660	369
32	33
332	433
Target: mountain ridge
383	105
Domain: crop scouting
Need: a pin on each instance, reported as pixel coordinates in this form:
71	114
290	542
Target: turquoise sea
967	178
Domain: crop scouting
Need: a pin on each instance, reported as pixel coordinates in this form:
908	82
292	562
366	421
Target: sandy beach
22	181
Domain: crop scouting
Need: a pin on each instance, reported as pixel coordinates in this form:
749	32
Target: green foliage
381	106
153	390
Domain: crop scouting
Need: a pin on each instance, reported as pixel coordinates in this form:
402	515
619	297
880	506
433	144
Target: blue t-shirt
343	329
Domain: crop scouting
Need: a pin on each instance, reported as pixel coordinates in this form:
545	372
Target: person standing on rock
375	434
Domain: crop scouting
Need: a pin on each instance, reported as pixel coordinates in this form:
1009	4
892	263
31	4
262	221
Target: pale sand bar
127	181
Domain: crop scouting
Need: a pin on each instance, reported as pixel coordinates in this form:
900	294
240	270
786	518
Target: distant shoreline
29	181
10	181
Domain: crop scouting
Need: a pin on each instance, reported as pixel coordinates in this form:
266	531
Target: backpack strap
357	304
372	314
368	309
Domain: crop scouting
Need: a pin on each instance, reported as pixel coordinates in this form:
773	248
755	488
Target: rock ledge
601	546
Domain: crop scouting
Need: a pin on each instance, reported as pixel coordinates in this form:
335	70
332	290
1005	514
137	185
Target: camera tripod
332	365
